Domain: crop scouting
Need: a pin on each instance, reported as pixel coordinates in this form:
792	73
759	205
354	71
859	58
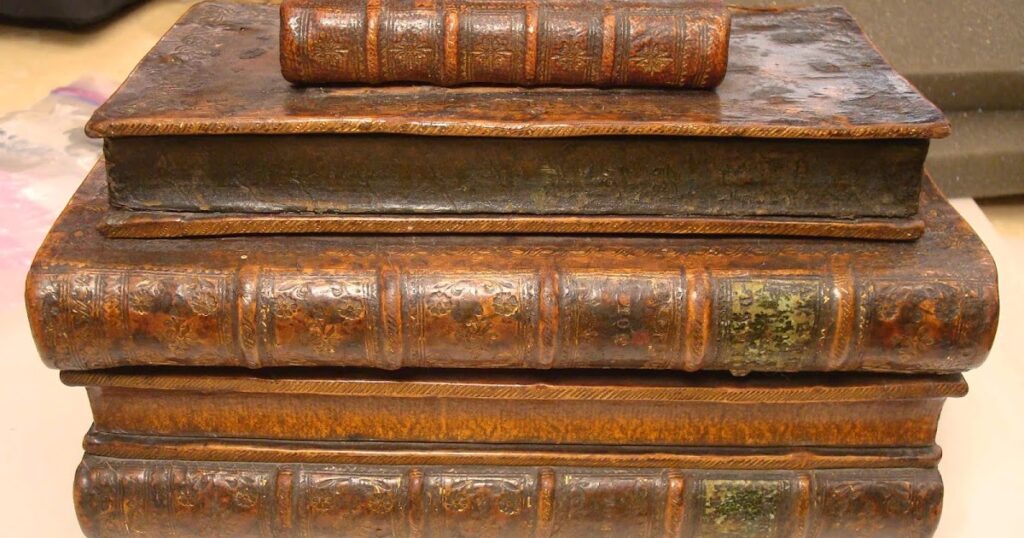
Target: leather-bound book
132	497
624	43
407	454
485	301
810	123
814	412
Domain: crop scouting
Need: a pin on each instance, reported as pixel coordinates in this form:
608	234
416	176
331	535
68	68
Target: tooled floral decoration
439	303
506	304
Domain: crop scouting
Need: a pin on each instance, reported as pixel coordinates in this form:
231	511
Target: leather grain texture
492	301
638	409
811	122
817	57
650	43
119	497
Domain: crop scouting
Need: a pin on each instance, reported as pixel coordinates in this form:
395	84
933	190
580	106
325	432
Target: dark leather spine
171	498
614	43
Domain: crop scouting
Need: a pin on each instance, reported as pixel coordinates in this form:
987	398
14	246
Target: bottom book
268	488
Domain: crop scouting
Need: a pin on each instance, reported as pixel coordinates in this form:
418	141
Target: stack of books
512	268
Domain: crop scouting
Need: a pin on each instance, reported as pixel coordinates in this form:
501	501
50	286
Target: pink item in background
44	155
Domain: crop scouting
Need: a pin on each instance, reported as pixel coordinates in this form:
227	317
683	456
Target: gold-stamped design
653	43
569	46
922	320
623	319
610	503
571	56
339	503
338	46
768	324
742	508
227	499
326	317
229	491
183	298
486	319
854	505
492	45
650	57
495	502
439	303
175	315
505	304
409	45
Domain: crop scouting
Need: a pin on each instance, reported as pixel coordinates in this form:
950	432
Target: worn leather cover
486	301
533	408
235	453
796	73
811	122
128	497
169	224
626	43
646	176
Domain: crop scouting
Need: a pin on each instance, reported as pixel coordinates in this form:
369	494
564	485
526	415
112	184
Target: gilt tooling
127	497
539	408
153	467
683	303
810	122
629	43
508	278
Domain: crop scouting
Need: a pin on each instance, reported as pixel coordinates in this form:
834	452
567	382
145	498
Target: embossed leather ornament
618	43
810	123
153	467
125	497
428	382
478	301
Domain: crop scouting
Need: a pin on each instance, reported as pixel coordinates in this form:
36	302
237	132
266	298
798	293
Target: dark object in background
68	13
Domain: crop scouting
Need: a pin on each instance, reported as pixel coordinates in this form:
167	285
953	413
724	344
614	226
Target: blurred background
59	59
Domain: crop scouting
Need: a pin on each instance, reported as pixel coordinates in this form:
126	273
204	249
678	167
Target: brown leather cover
817	57
130	497
811	122
684	303
168	224
622	43
300	452
558	408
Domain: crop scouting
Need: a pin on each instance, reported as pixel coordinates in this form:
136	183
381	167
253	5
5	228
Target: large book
811	123
131	497
683	303
627	43
646	411
342	452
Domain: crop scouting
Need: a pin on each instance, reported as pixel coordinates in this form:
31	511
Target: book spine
117	497
524	42
740	319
